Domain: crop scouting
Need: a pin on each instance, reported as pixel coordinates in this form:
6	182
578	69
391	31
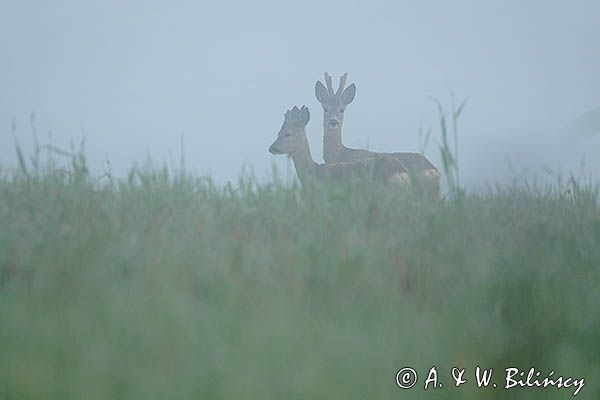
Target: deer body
424	174
292	140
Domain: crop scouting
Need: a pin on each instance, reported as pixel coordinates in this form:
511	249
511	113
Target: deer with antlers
292	140
424	174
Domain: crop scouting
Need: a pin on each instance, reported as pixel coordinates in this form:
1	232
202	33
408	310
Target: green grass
167	286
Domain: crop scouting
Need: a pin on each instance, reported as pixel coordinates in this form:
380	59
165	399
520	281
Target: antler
292	114
329	84
343	79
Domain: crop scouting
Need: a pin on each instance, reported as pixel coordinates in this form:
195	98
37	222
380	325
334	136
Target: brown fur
292	140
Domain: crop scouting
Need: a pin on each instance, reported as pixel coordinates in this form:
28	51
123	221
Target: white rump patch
432	174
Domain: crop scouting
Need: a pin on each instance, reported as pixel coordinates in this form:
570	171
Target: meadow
165	285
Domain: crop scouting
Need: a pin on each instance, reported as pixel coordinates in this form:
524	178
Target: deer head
292	135
334	103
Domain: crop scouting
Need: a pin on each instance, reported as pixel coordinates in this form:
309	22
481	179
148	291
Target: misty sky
134	77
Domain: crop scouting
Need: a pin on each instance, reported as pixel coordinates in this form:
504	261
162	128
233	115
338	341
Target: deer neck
332	143
303	161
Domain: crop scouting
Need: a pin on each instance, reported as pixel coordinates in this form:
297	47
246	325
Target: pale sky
134	77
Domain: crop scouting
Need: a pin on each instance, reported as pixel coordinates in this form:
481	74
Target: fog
139	78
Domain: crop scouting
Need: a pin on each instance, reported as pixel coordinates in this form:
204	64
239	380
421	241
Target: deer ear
320	92
305	115
348	94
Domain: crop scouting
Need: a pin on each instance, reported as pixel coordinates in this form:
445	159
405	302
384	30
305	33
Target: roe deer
424	174
291	140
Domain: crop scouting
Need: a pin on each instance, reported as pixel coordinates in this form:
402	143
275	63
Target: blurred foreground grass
165	286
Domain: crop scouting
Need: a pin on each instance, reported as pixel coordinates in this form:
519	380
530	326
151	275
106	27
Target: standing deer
424	174
291	140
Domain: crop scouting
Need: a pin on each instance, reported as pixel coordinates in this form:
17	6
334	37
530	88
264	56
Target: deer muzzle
274	150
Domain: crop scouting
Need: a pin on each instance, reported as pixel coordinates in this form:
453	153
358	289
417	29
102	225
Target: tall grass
448	147
165	285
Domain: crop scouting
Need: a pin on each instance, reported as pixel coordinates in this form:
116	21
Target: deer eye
342	110
326	109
